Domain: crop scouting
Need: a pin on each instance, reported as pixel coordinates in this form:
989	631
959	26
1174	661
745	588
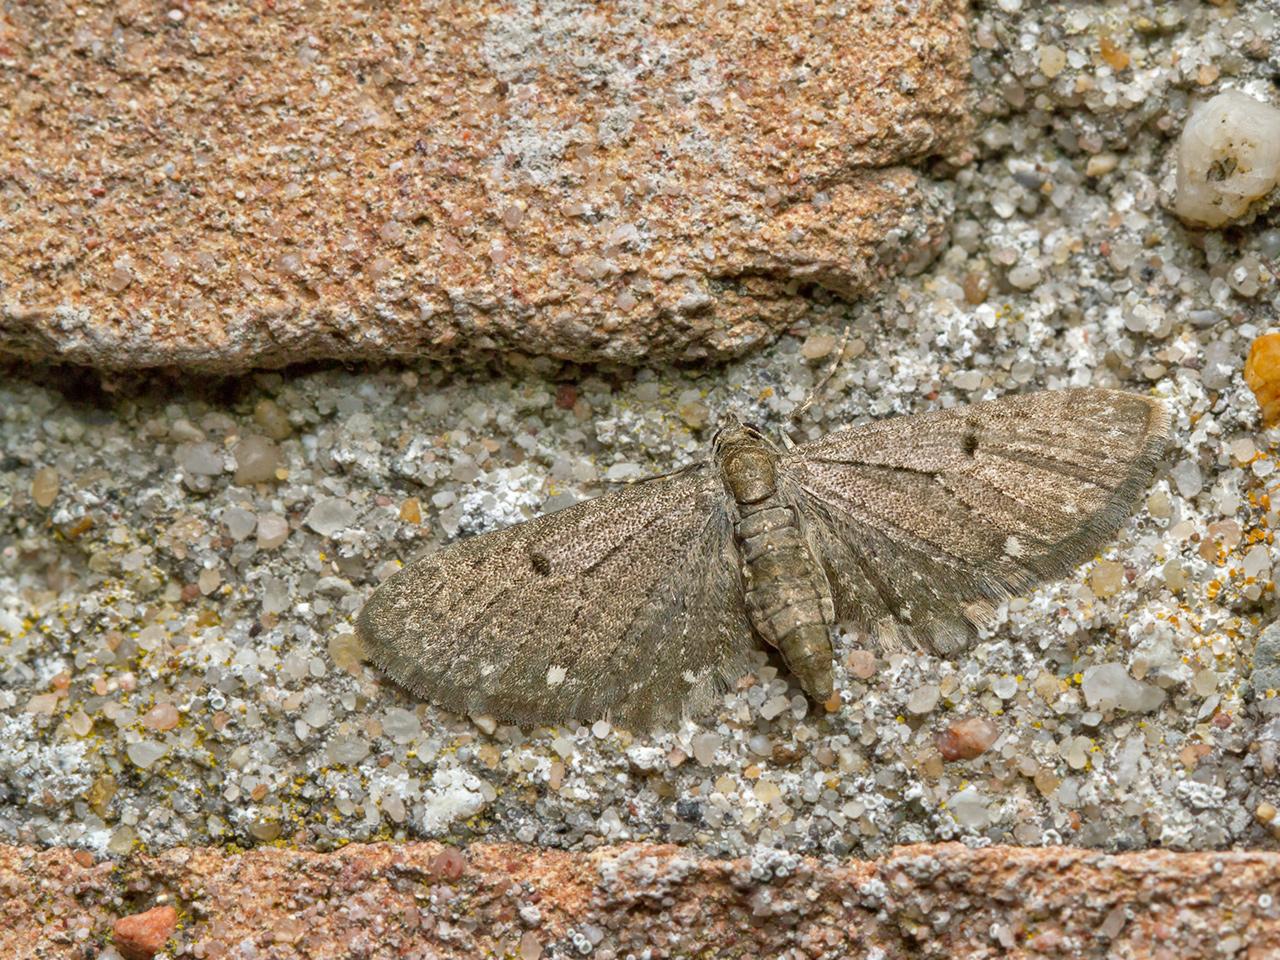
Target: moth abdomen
773	596
787	620
788	597
807	652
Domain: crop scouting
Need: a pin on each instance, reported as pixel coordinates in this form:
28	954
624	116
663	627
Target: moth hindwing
644	604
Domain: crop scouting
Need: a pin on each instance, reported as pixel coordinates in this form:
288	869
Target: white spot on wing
690	677
556	675
1013	547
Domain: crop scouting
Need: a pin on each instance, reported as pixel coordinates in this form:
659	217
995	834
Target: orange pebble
1262	373
141	936
411	511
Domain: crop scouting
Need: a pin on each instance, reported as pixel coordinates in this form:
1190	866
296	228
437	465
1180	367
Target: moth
643	605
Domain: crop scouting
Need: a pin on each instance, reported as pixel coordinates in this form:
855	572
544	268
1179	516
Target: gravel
180	560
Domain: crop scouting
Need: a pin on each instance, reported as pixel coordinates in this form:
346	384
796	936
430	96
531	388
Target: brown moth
645	604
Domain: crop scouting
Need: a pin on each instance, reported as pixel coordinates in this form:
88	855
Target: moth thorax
750	474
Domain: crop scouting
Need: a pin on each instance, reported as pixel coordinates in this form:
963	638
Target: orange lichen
1115	57
1262	374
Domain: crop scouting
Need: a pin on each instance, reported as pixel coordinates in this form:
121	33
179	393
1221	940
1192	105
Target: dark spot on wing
969	443
541	565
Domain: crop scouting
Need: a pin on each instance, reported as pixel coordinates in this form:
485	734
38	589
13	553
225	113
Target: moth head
731	431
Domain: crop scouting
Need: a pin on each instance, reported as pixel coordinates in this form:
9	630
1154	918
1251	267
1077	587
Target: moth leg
807	402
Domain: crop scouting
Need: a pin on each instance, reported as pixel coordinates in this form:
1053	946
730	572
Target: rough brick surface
223	186
421	900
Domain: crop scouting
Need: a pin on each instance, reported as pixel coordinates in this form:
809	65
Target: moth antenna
807	402
657	476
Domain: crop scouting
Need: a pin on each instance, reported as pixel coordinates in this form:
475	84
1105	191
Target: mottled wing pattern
923	522
626	606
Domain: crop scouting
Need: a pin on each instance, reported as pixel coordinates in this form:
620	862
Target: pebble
1004	687
43	703
1025	276
969	808
257	460
184	431
122	841
1106	578
143	935
1257	562
1076	752
161	717
530	946
273	530
145	753
81	723
318	714
695	414
403	726
774	706
44	487
345	650
1053	60
1228	156
923	698
817	345
1174	574
209	580
861	663
1264	667
766	791
1108	685
1187	478
329	516
966	739
449	864
240	522
705	746
976	287
347	750
1101	164
411	510
272	420
1158	504
201	459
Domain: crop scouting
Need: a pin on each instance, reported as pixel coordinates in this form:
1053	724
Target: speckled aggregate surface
180	561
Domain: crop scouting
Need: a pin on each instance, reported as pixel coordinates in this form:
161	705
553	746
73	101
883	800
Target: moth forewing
920	518
627	604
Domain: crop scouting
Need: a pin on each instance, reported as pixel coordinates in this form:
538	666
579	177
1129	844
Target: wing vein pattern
924	522
627	606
